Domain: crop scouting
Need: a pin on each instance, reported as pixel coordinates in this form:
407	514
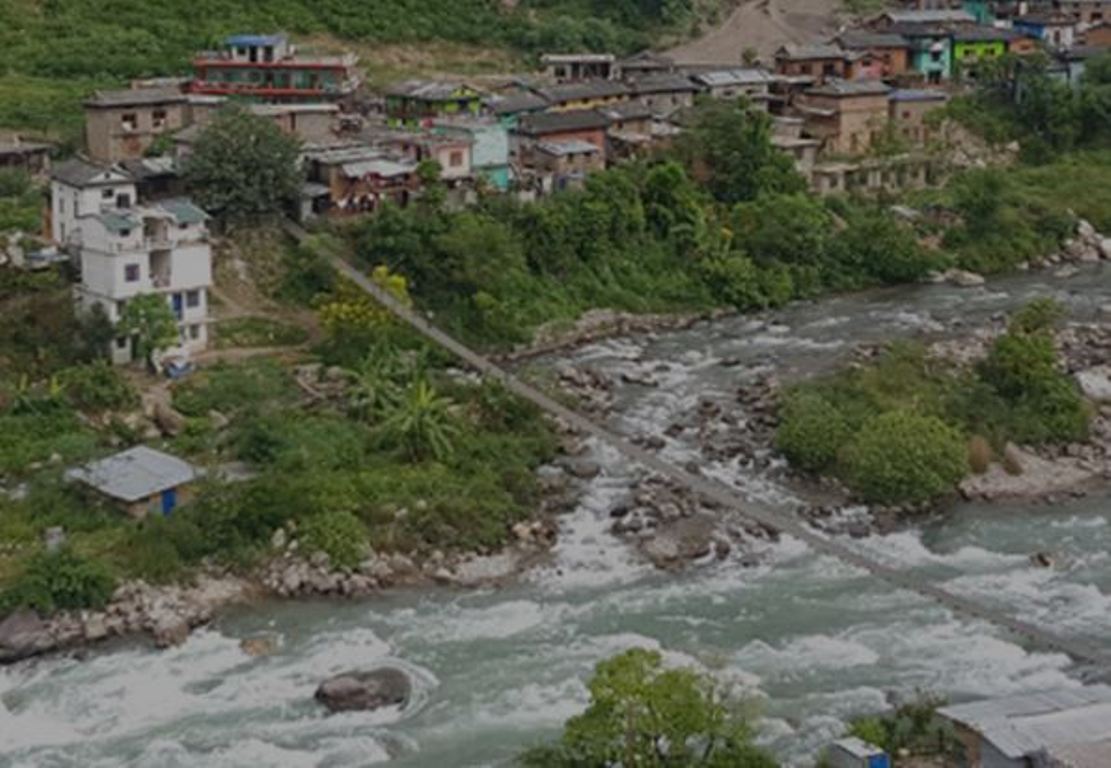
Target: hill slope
52	52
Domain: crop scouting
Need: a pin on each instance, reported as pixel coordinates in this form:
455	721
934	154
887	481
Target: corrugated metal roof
792	52
80	173
573	147
256	40
934	16
136	97
381	167
1021	725
587	89
117	222
543	123
135	474
184	211
739	76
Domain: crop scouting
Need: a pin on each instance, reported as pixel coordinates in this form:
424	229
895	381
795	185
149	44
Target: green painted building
975	44
415	103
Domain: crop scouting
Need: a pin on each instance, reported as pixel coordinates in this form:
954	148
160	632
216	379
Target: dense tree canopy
644	714
243	168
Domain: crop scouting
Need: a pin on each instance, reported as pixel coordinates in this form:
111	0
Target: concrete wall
122	133
68	204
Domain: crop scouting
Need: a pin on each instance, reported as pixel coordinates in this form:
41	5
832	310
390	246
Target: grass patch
248	332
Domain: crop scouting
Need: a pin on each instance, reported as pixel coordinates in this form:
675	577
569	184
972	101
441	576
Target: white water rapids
814	641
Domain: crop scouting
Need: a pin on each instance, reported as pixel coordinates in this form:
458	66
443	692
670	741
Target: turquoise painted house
489	148
979	10
931	50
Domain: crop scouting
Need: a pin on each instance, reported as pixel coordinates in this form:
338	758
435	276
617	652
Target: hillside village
853	113
308	446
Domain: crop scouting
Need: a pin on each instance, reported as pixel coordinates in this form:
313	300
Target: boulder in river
384	687
23	634
963	278
1095	383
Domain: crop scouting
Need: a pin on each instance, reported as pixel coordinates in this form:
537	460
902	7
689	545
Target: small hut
141	480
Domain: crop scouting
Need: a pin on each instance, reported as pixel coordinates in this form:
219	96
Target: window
906	114
131	273
194	332
121	342
456	159
106	194
192	299
129	121
61	204
120	307
158	119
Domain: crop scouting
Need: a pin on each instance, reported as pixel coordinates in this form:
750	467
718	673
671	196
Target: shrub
901	456
339	534
811	431
97	387
979	454
61	580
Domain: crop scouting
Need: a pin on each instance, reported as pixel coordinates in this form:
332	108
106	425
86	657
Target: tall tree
729	148
151	322
643	715
243	168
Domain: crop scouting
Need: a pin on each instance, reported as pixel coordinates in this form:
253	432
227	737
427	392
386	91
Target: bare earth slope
763	25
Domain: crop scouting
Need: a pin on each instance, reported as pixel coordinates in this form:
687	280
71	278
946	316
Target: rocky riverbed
663	523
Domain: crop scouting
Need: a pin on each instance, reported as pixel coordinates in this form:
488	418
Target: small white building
125	250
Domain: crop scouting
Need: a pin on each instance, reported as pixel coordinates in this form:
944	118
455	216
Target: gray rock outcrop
358	691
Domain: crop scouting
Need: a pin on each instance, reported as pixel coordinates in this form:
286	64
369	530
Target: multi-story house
489	142
1056	30
664	94
847	116
1086	13
930	49
269	68
416	103
820	62
752	83
126	250
908	108
879	55
587	94
972	45
123	125
569	67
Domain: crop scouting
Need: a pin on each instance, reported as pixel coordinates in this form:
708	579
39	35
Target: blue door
169	501
178	305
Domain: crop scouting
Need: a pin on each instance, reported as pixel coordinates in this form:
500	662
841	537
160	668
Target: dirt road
762	25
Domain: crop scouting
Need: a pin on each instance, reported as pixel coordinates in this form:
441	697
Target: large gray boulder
384	687
1095	383
23	634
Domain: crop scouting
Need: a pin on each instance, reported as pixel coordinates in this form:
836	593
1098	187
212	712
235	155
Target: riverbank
662	524
496	670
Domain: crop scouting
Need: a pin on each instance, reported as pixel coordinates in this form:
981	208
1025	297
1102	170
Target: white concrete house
124	250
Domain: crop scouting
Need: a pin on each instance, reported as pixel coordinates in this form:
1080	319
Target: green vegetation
904	456
249	332
642	713
243	168
913	729
1016	99
644	237
52	55
904	429
433	464
150	322
21	203
60	580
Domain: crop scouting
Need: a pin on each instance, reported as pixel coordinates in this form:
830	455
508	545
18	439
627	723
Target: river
811	641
